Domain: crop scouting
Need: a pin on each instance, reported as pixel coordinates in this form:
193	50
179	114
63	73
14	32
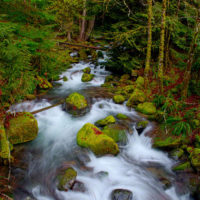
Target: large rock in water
121	194
87	77
108	120
22	128
91	137
76	104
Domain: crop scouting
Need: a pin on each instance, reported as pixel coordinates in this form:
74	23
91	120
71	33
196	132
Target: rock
30	96
4	144
140	126
116	132
146	108
78	187
182	167
178	153
122	116
91	137
67	180
108	120
76	104
82	54
195	158
43	83
140	82
138	96
87	77
65	79
87	70
168	143
121	194
21	128
129	89
101	174
118	99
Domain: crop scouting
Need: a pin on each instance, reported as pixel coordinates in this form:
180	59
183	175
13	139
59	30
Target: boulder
140	82
140	126
108	120
121	194
76	104
122	116
167	144
195	158
21	128
67	180
91	137
87	77
87	70
116	132
43	83
119	99
147	108
138	96
78	187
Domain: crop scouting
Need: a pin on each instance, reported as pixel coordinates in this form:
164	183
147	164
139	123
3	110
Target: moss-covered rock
168	143
83	54
147	108
116	132
65	79
195	158
122	116
109	78
108	120
178	153
118	99
22	128
43	83
76	104
182	167
140	82
30	96
87	77
91	137
138	96
143	124
67	179
87	70
4	143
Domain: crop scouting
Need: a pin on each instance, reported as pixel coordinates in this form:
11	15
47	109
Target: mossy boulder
167	144
140	82
182	167
87	70
43	83
65	79
67	179
22	128
137	97
83	54
122	116
116	132
108	120
87	77
119	99
91	137
195	158
147	108
76	104
4	143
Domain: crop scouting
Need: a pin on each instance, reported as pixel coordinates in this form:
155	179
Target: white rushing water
57	139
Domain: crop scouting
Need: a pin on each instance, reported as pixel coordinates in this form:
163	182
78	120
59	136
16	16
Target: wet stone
78	187
121	194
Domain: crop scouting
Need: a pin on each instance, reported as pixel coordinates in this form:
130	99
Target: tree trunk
149	44
69	38
83	22
162	47
187	75
90	28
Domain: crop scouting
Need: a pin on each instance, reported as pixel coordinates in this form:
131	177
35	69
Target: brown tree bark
90	28
83	23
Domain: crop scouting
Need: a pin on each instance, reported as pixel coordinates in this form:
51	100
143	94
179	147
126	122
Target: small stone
108	120
121	194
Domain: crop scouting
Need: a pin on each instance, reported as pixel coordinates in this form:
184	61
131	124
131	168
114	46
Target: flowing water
55	147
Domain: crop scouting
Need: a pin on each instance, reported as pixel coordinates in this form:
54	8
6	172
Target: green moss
66	179
30	96
118	99
121	116
4	144
140	82
109	78
143	124
83	55
168	143
87	77
178	153
116	132
158	116
197	141
146	108
124	78
91	137
195	123
22	128
138	96
195	158
182	167
43	83
65	78
87	70
108	120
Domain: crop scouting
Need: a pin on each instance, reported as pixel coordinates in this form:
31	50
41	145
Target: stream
136	168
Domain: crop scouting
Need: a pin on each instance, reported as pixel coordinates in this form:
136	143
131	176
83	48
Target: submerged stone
87	70
91	137
87	77
108	120
121	194
118	99
146	108
22	128
76	103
